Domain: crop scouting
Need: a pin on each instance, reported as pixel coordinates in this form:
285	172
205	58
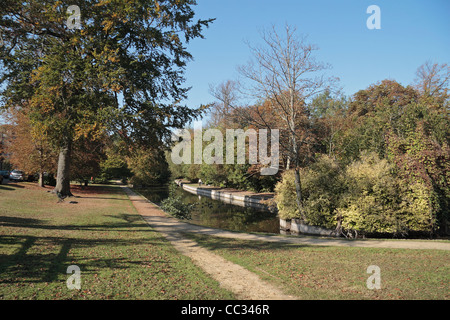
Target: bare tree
433	79
285	74
227	95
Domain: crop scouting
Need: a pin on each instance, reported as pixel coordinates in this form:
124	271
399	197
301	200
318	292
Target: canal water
216	214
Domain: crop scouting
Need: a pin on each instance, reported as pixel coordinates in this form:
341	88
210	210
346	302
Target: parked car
16	175
4	174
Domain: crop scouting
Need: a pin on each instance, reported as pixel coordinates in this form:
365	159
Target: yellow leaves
92	131
115	87
107	55
113	59
38	131
157	7
56	5
43	103
107	25
113	18
174	37
102	3
74	41
36	74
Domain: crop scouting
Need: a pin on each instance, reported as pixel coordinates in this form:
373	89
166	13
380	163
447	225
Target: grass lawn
119	255
315	272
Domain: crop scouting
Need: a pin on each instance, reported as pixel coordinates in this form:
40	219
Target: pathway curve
245	284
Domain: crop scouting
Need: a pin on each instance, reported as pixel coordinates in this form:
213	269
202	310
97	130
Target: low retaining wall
295	226
226	197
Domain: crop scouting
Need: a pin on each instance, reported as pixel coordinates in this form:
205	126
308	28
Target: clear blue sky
411	33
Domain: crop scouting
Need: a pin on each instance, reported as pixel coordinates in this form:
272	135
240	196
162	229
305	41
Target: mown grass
119	255
315	272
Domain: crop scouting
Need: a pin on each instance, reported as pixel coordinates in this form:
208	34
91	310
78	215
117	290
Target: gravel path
245	284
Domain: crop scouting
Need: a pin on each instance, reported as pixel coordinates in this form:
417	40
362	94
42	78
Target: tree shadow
103	198
36	267
3	187
214	243
16	221
14	185
8	221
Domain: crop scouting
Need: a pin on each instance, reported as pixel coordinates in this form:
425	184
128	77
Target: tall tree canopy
120	69
286	75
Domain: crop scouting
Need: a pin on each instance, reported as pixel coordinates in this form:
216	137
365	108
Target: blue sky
411	33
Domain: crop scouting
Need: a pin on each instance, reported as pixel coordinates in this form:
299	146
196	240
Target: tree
433	79
28	146
5	132
286	75
371	113
223	113
74	77
148	166
88	154
330	113
424	164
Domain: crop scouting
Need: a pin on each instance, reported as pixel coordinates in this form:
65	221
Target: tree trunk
63	175
298	184
41	179
298	191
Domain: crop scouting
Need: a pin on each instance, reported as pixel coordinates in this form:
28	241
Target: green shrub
175	206
367	196
285	196
323	186
321	191
378	201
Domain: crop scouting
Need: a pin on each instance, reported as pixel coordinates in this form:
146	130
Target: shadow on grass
16	221
8	221
51	254
103	198
3	187
25	267
13	185
214	243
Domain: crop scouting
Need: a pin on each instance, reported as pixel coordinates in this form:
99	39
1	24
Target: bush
285	196
175	206
322	188
370	202
367	196
379	201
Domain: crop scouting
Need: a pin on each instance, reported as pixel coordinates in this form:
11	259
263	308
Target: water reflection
216	214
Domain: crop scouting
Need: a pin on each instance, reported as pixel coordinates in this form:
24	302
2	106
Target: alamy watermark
74	281
374	21
213	153
74	20
374	281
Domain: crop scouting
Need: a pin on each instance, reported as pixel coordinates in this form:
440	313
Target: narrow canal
216	214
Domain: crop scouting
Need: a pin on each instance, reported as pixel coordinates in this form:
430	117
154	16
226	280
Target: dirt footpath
245	284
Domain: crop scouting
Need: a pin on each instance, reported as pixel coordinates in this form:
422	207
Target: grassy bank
119	255
313	272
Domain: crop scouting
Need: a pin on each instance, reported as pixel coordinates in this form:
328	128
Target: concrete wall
294	226
226	197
